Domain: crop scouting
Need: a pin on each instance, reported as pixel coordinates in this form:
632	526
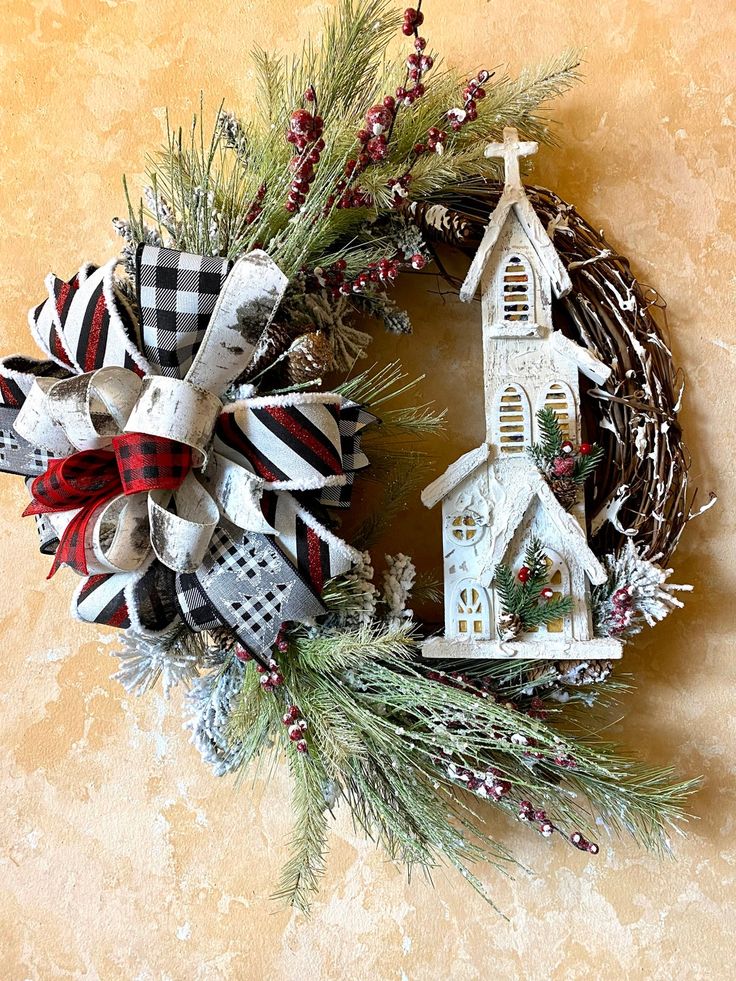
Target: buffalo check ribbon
158	492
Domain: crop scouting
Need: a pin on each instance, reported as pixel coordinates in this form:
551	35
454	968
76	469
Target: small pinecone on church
309	357
509	626
566	491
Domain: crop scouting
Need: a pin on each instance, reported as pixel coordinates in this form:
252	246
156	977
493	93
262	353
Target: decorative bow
153	485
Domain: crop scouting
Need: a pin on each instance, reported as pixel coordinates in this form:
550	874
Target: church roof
591	366
514	197
567	525
457	471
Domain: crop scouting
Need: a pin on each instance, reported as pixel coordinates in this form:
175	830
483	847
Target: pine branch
299	879
550	443
585	465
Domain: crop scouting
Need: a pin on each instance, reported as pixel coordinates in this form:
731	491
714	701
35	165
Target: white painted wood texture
494	498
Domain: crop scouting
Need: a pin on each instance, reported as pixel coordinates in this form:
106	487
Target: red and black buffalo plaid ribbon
91	478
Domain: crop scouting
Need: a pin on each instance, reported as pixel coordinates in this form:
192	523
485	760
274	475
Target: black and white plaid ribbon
177	292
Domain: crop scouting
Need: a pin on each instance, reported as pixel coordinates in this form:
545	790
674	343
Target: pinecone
542	673
509	626
223	638
274	341
584	672
565	491
309	357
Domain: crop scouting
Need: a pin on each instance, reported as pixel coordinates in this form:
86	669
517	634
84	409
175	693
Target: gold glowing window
559	400
513	420
464	529
471	607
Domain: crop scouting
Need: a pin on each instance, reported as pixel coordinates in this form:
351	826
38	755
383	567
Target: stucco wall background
120	856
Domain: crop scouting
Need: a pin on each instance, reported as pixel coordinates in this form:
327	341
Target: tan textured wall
120	857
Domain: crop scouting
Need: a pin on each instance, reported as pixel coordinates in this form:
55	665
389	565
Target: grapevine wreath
186	461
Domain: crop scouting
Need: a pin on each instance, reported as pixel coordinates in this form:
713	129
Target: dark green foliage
524	599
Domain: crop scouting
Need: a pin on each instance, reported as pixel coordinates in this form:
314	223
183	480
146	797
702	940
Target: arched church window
472	610
513	422
517	290
558	576
559	398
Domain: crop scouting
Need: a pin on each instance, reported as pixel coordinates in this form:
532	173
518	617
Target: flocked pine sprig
527	599
226	191
565	466
636	593
174	658
378	731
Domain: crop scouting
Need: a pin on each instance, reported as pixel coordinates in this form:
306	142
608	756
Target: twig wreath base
183	459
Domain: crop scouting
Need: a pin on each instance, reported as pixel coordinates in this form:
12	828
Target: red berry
301	122
301	746
548	592
400	92
418	261
389	102
585	448
419	89
319	145
407	28
341	264
419	149
309	95
291	207
523	574
567	446
377	148
363	135
242	654
480	93
420	43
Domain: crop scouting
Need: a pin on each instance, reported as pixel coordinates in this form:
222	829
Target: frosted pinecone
398	582
584	672
310	356
509	626
565	491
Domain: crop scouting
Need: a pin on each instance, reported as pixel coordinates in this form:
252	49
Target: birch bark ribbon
143	459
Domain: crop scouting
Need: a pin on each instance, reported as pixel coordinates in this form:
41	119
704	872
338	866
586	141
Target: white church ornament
494	499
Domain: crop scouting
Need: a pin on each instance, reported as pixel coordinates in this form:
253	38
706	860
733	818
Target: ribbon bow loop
141	458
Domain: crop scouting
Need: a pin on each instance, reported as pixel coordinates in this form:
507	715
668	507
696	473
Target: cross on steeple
512	150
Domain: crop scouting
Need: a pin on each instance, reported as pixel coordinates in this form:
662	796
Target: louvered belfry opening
558	399
513	420
517	290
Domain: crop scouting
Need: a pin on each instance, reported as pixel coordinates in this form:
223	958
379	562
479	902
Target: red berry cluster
271	677
413	19
417	64
256	206
399	187
489	784
296	727
473	93
623	609
435	141
527	812
381	273
305	133
583	844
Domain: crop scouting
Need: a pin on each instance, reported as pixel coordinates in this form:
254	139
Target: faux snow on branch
636	592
